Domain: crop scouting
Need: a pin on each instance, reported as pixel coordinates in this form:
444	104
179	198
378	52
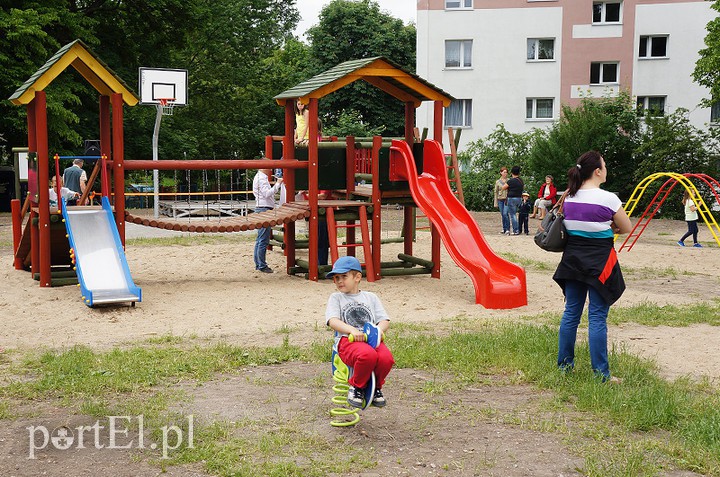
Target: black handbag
552	234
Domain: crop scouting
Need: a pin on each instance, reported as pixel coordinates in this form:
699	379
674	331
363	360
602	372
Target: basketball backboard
163	83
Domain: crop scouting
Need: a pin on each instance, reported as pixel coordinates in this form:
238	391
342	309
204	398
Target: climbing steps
351	226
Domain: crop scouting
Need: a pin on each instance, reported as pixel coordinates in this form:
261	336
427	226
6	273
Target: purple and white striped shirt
589	213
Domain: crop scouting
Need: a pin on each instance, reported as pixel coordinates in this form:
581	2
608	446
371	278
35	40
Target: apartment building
516	61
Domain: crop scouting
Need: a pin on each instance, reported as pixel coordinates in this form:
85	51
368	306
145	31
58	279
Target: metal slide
499	284
101	267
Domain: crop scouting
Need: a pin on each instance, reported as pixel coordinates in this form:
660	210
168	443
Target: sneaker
503	232
378	398
267	270
516	233
697	245
355	396
507	232
681	243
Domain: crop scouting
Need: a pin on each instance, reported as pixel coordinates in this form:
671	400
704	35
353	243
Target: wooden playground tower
114	93
406	87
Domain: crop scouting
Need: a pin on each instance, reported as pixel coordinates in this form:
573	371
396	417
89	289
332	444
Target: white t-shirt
355	310
690	215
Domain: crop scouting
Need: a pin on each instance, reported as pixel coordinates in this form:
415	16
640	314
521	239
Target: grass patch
641	427
528	263
668	315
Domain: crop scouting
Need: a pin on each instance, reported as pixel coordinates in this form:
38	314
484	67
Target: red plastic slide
498	283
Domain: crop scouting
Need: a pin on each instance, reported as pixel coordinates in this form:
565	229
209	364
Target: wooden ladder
350	244
453	172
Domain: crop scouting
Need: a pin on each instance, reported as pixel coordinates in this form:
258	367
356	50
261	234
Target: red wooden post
377	206
438	136
105	143
43	165
313	189
32	147
289	154
409	211
118	166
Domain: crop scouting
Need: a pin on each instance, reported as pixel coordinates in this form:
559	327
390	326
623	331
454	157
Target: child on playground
347	312
524	212
691	217
65	193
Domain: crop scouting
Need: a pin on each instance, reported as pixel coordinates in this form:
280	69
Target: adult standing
589	264
75	179
264	200
500	199
515	187
547	196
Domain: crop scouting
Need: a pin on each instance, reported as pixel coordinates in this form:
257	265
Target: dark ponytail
583	170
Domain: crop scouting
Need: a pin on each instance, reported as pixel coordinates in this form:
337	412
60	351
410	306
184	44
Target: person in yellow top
302	130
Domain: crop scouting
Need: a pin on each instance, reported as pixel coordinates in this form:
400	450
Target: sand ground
212	291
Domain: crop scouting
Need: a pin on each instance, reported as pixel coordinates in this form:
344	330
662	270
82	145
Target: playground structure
672	180
396	176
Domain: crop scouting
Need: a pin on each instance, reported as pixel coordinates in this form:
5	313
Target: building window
715	113
606	12
458	53
455	4
652	105
653	46
541	49
539	108
601	73
459	113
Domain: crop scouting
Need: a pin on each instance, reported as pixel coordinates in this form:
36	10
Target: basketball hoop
166	105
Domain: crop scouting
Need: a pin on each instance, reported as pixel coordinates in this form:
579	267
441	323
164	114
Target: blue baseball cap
344	265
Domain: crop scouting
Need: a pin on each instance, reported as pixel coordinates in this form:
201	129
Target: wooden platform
223	208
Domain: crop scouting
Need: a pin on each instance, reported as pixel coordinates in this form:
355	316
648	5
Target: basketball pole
156	175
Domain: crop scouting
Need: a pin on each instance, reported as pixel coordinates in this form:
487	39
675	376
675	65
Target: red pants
364	359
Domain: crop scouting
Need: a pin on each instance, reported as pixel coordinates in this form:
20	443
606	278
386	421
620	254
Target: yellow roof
79	56
379	72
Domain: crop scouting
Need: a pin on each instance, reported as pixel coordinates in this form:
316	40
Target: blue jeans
513	204
575	294
261	242
502	205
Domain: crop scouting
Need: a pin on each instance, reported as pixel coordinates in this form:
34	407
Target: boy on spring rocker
347	312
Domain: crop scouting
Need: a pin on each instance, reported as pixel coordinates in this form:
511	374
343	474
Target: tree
350	30
707	67
231	48
483	158
608	125
30	32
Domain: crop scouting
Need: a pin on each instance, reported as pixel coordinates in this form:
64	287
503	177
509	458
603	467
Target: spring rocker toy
345	415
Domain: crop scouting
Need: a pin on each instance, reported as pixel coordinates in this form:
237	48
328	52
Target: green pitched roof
86	62
378	71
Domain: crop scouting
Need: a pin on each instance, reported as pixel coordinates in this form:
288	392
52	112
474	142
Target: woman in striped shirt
589	263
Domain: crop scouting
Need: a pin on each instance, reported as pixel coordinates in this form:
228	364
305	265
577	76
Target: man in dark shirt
75	179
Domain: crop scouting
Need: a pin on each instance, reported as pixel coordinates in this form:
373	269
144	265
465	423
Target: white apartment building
516	61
